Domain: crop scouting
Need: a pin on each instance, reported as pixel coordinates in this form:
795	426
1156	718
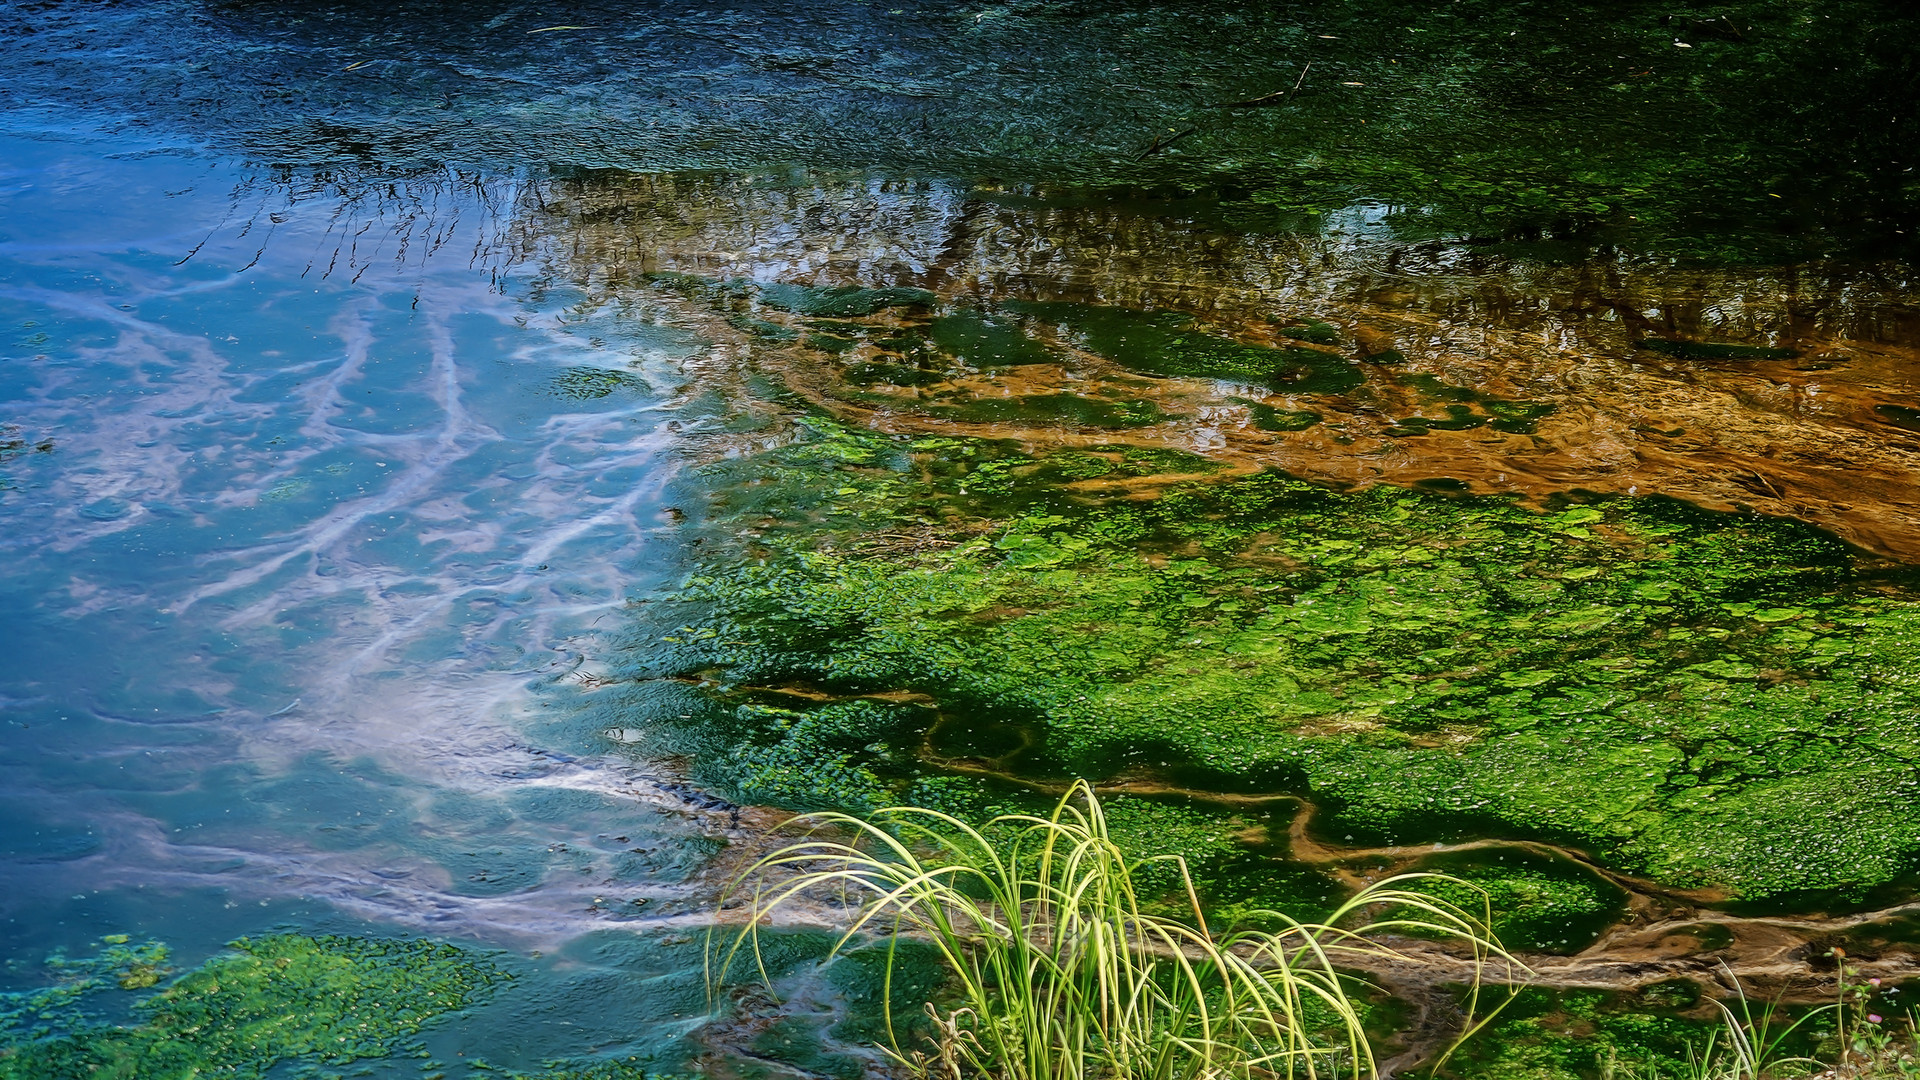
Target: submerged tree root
1664	935
1428	976
1667	933
1775	958
1768	956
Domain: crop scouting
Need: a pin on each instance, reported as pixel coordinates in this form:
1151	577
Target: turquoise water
301	567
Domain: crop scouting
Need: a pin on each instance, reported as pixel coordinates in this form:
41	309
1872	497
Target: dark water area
466	468
1730	130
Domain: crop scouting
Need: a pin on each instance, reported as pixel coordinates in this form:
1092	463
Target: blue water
315	542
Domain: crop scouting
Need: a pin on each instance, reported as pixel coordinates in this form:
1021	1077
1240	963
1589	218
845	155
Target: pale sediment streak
415	663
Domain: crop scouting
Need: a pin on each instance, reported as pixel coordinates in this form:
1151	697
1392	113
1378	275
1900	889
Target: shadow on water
1701	135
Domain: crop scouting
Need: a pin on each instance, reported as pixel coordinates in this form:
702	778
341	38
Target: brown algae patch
1338	356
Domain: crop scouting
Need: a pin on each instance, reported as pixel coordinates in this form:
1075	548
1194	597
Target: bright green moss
1537	902
38	1013
812	759
281	999
1119	462
1708	699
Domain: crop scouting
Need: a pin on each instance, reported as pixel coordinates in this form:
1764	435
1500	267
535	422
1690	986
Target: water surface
372	380
301	567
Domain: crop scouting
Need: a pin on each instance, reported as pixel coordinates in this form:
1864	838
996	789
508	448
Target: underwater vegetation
1715	701
589	383
1535	901
1866	1030
1167	343
266	1002
13	444
1102	364
1059	966
281	1005
1547	1035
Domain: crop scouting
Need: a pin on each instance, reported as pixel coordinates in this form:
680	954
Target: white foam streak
483	541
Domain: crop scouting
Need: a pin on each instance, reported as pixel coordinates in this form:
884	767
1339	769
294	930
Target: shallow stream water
368	378
290	556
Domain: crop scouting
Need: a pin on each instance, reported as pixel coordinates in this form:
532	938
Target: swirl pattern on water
306	544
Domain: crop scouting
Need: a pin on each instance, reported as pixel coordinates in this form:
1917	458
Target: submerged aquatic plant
1749	1046
1672	1031
263	1005
1063	967
1704	699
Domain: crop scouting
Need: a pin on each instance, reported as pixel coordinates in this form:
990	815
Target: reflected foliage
1717	130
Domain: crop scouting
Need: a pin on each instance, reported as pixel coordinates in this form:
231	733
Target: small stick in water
1278	97
1161	142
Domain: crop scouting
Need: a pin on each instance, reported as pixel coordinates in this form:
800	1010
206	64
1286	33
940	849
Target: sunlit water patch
305	545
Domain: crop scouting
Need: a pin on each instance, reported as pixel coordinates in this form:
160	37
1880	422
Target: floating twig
1161	142
1278	97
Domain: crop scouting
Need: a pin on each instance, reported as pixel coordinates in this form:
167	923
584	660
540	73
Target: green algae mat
316	1006
322	1001
1700	701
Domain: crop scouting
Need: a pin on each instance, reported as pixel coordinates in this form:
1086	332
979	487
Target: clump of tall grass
1863	1043
1062	970
1752	1044
1749	1045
